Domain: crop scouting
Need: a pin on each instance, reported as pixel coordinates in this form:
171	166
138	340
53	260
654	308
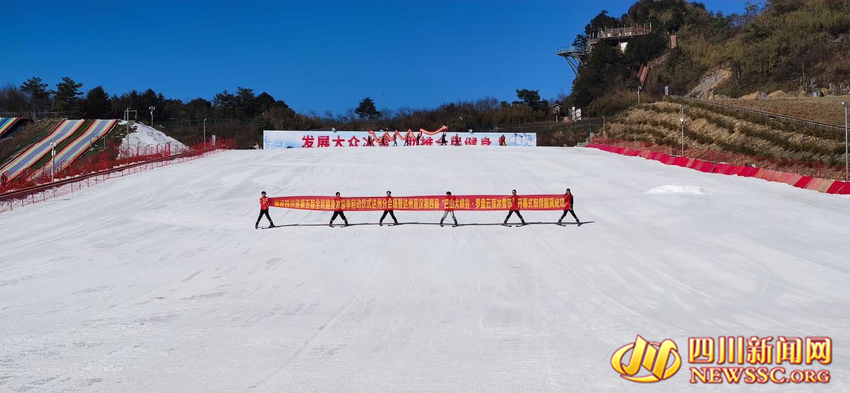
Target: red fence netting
97	168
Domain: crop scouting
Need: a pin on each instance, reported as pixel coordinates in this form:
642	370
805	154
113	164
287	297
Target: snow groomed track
158	281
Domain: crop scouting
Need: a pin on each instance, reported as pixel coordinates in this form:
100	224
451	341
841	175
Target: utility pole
639	89
52	162
152	108
127	117
846	162
205	132
682	121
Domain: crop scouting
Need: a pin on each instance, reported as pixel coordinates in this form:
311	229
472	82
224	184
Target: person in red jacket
338	211
514	209
449	208
502	141
264	210
568	207
389	210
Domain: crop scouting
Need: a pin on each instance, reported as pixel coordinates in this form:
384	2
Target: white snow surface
158	281
142	135
671	189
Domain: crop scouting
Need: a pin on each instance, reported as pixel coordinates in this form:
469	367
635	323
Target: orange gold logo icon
652	356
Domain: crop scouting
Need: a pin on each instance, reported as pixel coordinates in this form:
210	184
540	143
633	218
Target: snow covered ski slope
159	282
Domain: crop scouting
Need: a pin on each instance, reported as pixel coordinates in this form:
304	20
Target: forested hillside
799	46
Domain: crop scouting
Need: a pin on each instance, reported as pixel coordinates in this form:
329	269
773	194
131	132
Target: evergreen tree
97	104
224	104
263	102
68	97
531	98
198	108
367	109
38	97
245	102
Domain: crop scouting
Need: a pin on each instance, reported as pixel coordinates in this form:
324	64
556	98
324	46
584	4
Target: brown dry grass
824	109
711	131
801	168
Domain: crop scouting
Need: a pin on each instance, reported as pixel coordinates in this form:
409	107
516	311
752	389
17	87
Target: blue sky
315	55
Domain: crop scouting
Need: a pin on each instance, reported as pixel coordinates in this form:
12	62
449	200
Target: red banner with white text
428	202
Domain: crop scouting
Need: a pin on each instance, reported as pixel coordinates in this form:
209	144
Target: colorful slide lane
6	124
74	150
36	152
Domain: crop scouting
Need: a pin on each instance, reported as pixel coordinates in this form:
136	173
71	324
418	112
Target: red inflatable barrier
803	182
835	187
771	175
707	167
681	161
799	181
825	185
748	171
694	164
793	179
814	184
736	170
723	168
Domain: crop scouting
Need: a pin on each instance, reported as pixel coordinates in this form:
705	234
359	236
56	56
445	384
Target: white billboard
335	139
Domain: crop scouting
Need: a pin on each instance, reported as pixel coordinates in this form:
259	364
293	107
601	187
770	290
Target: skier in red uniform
338	211
264	210
502	141
388	210
449	208
514	208
568	207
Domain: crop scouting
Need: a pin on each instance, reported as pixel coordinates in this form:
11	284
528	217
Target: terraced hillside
710	130
824	109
